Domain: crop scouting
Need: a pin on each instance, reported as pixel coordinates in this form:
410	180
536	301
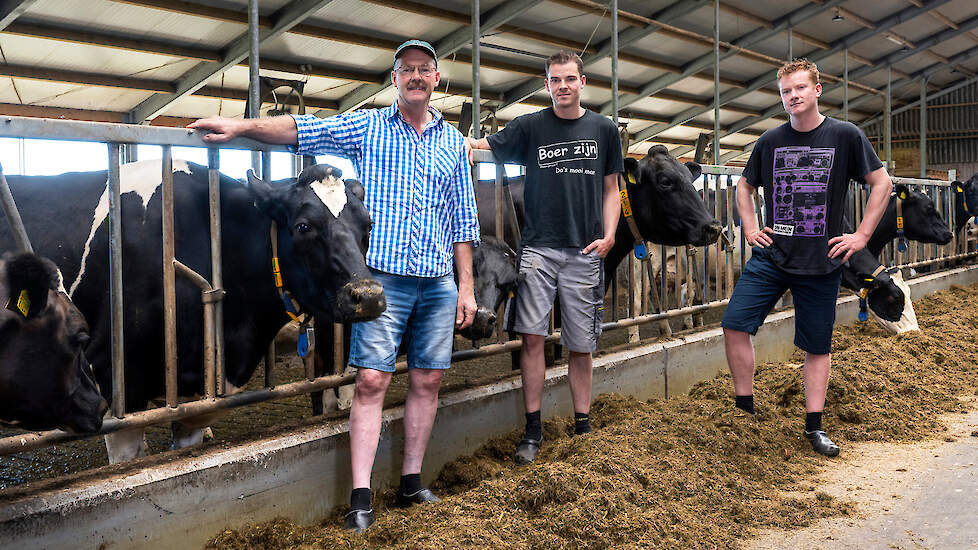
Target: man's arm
465	310
472	143
748	216
611	208
849	243
280	129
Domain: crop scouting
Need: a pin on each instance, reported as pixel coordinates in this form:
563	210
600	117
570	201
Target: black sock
582	423
360	499
534	428
745	403
813	422
410	484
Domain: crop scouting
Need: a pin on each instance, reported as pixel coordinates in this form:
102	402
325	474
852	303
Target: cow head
921	220
323	234
495	274
965	201
667	208
45	380
884	297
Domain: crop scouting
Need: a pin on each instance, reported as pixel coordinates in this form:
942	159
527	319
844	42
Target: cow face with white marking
45	380
323	234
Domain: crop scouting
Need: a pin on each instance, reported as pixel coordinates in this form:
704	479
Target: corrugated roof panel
118	16
40	53
76	96
357	14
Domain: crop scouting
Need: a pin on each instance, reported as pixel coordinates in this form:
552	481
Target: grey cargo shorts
579	281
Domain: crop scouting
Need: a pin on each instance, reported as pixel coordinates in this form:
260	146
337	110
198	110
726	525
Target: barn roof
173	60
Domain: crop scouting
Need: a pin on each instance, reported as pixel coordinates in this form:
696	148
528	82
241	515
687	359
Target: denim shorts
761	285
421	312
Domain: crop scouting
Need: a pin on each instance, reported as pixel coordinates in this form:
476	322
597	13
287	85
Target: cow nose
368	299
712	232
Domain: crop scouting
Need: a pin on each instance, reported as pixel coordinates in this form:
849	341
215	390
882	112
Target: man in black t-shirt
572	158
804	166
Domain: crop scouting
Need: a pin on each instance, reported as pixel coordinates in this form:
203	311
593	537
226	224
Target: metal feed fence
690	281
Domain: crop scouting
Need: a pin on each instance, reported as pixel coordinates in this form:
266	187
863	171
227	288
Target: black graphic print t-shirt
566	161
805	176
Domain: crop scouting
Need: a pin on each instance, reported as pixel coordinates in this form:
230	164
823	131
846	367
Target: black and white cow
46	382
322	238
965	202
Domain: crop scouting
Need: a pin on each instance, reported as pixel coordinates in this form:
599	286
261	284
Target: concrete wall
305	475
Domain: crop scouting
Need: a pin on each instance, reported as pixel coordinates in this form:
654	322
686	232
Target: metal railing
696	281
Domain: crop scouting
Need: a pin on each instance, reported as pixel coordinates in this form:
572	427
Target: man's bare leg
740	359
419	416
579	373
365	412
534	373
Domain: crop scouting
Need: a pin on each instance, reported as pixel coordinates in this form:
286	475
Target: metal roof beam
10	10
287	17
446	46
674	12
838	45
968	54
705	60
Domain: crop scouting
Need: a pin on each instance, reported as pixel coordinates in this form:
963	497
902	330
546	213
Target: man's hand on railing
221	129
759	238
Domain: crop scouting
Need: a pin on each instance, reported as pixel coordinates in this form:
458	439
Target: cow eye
302	228
81	340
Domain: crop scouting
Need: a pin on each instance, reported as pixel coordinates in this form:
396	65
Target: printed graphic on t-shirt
801	182
553	154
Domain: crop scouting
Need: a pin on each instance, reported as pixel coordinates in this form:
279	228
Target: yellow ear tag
626	207
631	179
511	294
959	189
903	195
23	304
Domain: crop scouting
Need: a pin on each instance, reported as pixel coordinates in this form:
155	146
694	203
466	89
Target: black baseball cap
418	45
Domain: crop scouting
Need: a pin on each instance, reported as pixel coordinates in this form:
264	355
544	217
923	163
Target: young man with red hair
804	166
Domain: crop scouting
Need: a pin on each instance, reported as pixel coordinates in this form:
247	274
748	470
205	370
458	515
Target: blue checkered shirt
418	187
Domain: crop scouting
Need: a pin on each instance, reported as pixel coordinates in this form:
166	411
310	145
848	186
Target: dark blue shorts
761	285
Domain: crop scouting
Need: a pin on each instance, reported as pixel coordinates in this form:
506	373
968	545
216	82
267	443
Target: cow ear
29	278
356	188
267	199
631	170
902	191
695	169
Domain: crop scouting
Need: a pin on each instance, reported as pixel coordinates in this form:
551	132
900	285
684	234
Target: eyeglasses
424	70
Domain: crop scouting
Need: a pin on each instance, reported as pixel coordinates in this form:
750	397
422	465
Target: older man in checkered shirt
419	193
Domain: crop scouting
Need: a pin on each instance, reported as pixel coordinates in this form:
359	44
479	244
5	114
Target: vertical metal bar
923	127
266	174
845	86
888	122
169	282
13	216
716	86
476	82
614	60
498	195
718	279
217	271
254	89
681	268
115	290
730	232
791	52
339	349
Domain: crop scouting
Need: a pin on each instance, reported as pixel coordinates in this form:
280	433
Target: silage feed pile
686	472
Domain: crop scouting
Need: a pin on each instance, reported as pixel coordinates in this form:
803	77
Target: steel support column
845	84
923	127
716	82
888	120
476	84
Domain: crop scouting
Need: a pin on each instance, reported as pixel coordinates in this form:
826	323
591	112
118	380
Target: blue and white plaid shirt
418	187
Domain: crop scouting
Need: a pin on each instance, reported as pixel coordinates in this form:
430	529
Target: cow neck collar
626	209
901	236
292	307
867	283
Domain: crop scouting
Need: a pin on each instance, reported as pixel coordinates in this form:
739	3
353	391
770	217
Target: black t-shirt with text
566	161
805	176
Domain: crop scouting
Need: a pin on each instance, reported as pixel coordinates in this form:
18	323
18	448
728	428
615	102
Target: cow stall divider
693	291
